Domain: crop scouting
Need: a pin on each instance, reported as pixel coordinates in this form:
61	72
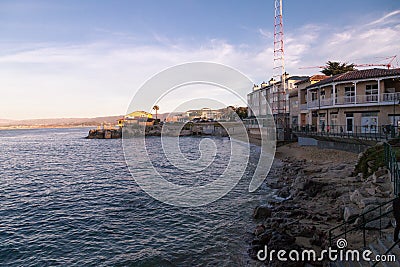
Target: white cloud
385	18
53	80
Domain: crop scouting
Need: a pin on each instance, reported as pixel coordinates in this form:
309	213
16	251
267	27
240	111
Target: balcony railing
390	97
359	99
303	107
382	132
348	99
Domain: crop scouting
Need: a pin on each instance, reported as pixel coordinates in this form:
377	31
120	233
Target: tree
334	68
242	112
156	108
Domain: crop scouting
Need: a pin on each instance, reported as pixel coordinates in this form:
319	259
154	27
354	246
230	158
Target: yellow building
139	115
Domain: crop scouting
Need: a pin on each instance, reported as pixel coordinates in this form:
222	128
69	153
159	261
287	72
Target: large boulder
259	229
350	213
371	216
368	201
283	192
380	176
381	172
356	197
262	212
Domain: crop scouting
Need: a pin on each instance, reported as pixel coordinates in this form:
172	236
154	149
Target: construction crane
388	65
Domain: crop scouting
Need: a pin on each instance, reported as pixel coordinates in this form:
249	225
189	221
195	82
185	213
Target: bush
374	154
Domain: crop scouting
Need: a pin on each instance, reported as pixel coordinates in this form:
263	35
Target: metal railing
393	167
368	132
348	226
387	251
390	97
386	98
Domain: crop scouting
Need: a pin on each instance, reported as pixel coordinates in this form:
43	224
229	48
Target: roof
297	78
316	77
302	81
358	75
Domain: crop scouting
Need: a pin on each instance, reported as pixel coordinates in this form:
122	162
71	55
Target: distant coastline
26	127
59	123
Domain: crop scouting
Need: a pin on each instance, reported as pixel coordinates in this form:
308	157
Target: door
349	124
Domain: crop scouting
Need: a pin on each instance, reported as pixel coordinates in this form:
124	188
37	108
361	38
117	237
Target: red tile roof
318	77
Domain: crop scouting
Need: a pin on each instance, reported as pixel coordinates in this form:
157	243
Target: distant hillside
60	122
2	121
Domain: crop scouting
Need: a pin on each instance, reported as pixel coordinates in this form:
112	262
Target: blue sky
88	58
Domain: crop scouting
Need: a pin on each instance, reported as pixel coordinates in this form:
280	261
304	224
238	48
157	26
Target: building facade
299	112
356	101
360	100
267	93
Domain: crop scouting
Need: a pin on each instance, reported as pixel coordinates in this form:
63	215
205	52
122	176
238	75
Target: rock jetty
105	134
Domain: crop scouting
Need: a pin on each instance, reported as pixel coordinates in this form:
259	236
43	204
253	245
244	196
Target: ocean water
69	201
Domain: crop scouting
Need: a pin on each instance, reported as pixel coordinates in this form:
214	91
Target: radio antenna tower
279	108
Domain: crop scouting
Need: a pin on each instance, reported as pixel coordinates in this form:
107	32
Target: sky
71	58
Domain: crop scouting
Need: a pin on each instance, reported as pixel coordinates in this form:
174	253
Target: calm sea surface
69	201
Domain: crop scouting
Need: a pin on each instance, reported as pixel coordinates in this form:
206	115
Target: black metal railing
387	251
393	167
348	226
383	132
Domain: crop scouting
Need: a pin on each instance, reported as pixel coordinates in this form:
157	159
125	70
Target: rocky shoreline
315	190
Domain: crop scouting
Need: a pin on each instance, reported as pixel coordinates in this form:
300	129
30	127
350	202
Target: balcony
390	97
383	99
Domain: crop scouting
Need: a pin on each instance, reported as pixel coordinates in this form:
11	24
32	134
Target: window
369	122
313	96
349	94
371	92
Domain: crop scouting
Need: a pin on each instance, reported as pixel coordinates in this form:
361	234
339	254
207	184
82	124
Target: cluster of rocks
104	134
370	193
311	198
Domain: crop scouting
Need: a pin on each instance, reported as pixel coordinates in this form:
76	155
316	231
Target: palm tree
156	108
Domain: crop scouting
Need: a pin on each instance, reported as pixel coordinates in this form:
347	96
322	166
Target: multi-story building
299	113
364	99
267	93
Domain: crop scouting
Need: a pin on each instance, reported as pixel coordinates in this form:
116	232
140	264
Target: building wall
294	111
362	116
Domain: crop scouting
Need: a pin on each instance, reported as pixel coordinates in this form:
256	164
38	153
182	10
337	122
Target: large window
371	91
349	94
369	122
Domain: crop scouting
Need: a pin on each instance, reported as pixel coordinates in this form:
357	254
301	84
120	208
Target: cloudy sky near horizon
88	58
